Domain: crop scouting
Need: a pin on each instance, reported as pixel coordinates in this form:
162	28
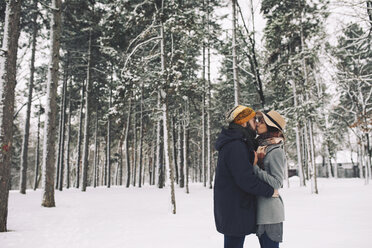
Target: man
236	185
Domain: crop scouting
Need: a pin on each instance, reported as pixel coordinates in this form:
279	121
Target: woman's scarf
264	141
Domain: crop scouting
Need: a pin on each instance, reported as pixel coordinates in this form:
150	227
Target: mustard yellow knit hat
239	114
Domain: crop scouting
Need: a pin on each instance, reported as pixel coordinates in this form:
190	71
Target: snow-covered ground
340	217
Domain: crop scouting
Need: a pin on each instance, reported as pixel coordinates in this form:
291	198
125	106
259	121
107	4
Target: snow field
141	218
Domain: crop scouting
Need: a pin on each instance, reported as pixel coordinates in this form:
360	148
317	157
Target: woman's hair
271	129
274	130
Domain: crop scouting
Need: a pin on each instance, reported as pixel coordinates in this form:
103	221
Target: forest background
134	92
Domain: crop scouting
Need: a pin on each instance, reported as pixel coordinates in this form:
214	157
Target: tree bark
37	152
134	151
95	151
68	142
158	147
85	165
312	149
181	158
51	107
297	131
140	140
8	71
208	101
126	146
165	118
185	156
24	153
235	64
175	162
167	155
62	122
57	166
78	157
203	164
109	143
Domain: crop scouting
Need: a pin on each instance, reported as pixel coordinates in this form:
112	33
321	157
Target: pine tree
354	65
24	155
51	108
291	27
8	63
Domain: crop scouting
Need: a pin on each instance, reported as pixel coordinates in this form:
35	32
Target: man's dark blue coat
235	185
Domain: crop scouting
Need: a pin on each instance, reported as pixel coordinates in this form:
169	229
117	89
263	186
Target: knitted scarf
264	141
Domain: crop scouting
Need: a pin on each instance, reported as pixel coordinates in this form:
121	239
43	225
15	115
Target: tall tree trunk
312	150
87	118
308	125
365	161
368	156
328	162
160	172
140	140
37	153
307	145
121	166
208	102
175	162
63	121
146	160
181	154
109	143
8	71
235	64
95	162
328	155
51	108
68	141
105	169
200	172
158	143
80	136
152	163
60	126
360	162
126	145
134	151
165	118
185	156
168	167
24	153
297	131
203	164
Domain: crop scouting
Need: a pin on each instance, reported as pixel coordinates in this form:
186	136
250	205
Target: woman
270	168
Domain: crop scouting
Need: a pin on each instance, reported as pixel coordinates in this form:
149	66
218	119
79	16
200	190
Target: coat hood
227	136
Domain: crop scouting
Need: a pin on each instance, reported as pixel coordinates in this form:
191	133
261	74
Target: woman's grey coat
271	210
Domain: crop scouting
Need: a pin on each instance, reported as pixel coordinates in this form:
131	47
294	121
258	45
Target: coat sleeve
276	165
237	161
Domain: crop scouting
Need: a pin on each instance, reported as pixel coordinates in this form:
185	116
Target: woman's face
261	126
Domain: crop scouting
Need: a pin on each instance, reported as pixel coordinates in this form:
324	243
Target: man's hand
276	194
255	158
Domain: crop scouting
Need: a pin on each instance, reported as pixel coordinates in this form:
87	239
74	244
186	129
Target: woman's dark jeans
266	242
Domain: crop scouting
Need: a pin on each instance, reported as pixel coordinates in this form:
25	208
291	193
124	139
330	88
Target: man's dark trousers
234	242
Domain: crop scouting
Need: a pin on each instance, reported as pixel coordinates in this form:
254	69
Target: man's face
252	123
